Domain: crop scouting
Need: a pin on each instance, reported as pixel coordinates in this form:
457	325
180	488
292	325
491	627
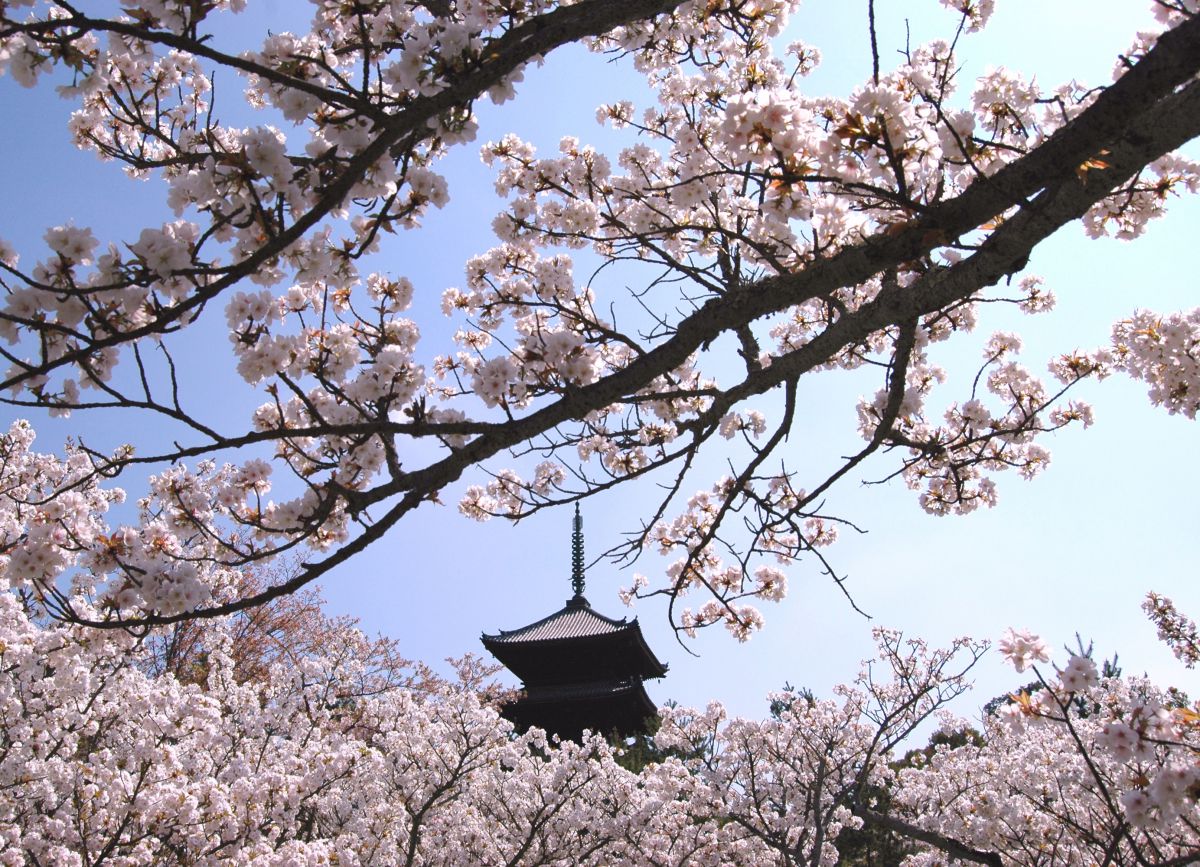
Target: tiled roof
577	620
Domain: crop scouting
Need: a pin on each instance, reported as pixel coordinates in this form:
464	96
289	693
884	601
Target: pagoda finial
577	554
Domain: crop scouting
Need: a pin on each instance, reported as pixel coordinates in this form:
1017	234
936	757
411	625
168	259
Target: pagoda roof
602	706
572	643
577	619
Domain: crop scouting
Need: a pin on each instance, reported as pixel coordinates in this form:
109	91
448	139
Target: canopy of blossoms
286	737
164	695
789	236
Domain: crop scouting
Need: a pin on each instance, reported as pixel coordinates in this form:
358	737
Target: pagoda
579	669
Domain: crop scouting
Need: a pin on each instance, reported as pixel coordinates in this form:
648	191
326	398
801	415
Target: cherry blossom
751	237
767	237
1023	648
285	736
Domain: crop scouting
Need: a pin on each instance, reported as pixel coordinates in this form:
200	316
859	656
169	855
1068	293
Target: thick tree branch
1144	115
945	844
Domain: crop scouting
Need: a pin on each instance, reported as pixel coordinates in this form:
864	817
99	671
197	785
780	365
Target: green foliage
786	698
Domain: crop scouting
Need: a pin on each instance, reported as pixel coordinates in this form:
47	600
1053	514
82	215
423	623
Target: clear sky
1075	550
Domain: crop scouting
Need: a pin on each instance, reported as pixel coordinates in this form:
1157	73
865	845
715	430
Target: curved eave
659	667
622	652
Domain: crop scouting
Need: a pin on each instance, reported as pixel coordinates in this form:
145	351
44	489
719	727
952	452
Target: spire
577	555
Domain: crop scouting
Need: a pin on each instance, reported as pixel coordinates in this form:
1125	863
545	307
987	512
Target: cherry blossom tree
170	692
785	237
131	749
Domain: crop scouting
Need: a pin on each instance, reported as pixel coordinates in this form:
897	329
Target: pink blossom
1021	649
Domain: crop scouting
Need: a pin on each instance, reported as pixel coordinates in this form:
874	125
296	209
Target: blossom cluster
738	178
1069	767
1162	351
211	743
772	234
309	763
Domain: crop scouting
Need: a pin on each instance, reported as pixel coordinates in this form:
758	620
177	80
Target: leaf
1093	163
1187	716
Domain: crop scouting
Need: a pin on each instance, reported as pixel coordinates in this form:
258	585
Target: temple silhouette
579	669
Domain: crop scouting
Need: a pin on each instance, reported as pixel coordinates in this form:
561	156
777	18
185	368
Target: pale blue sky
1075	550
